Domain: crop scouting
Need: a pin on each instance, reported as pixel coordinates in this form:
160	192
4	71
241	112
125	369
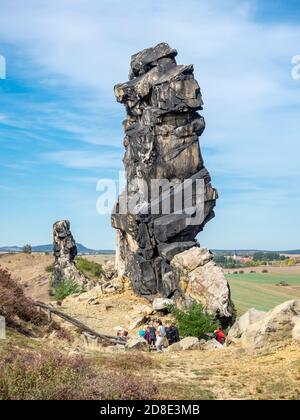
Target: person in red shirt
220	336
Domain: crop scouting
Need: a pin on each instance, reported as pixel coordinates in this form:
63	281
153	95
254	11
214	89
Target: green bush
234	313
282	283
194	321
85	266
66	288
49	268
27	249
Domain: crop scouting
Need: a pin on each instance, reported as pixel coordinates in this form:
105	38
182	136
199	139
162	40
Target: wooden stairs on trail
87	331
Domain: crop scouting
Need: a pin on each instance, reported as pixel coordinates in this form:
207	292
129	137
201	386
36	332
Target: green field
260	291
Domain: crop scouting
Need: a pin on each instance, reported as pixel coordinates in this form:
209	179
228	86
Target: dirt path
111	311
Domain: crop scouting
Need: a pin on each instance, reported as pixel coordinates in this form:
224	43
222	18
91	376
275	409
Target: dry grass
232	374
227	374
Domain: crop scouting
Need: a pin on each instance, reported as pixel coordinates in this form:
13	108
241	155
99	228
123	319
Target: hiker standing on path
173	334
152	335
161	333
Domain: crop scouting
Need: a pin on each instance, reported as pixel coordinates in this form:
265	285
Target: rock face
243	323
65	251
136	344
168	198
211	345
187	343
160	304
282	322
201	280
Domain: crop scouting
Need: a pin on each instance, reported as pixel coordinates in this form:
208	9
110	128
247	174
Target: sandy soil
232	373
115	310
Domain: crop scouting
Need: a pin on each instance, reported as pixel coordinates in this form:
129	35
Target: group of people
157	335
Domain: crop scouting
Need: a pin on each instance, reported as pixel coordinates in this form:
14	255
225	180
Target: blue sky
61	129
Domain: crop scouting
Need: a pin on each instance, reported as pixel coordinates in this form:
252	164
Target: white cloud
85	159
83	47
243	66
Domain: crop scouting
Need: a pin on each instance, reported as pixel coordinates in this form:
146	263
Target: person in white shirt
161	333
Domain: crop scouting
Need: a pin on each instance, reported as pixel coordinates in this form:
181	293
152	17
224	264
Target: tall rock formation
65	251
155	219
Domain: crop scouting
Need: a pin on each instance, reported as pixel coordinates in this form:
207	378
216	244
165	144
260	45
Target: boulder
296	329
160	304
191	259
243	323
137	322
109	270
145	310
92	295
136	343
187	343
279	324
211	345
207	285
173	348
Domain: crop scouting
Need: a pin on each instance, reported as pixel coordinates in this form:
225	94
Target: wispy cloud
85	160
70	54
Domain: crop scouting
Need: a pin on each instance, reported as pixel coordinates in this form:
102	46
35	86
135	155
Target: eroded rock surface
201	280
155	221
65	251
271	328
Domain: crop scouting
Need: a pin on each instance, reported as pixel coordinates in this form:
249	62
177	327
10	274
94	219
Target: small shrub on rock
194	321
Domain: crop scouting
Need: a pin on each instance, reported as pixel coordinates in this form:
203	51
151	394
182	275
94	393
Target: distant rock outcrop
65	251
257	329
169	197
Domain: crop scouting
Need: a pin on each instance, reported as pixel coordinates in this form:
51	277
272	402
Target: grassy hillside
261	291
